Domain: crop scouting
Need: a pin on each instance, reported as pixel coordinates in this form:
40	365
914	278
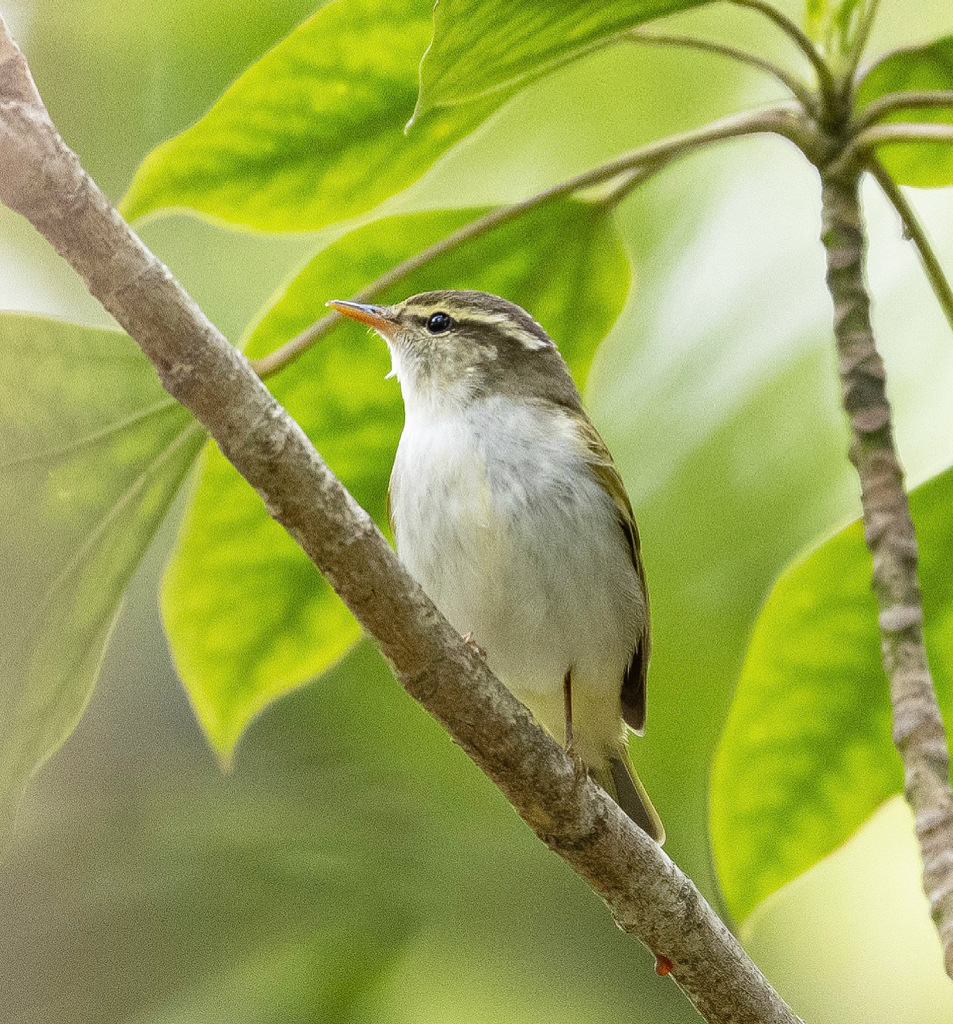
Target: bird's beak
373	316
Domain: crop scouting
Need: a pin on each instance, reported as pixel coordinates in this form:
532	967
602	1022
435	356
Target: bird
508	509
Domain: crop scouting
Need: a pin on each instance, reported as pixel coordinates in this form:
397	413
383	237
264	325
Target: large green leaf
313	132
485	46
248	618
92	451
146	887
806	755
143	71
923	68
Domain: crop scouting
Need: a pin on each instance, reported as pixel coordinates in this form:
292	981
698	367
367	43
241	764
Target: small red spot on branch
663	966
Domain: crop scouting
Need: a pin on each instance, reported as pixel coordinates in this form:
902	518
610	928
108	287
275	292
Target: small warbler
507	508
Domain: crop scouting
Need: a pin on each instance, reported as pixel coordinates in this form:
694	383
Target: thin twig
41	178
893	102
888	530
915	231
860	41
794	32
793	84
889	134
627	183
783	120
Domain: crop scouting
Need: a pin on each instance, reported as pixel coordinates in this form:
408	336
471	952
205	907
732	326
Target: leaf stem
794	85
782	120
915	231
628	182
889	533
887	134
893	102
859	43
800	39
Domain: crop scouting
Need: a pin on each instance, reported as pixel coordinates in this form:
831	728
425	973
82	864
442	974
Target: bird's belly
534	567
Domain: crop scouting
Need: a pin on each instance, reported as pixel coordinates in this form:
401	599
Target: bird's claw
474	646
579	765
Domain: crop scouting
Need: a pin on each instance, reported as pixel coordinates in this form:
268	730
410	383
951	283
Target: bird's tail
617	778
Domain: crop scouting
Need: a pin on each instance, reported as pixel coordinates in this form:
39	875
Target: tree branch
784	120
914	230
888	529
648	895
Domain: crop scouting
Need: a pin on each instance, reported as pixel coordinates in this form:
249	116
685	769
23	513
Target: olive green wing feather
634	681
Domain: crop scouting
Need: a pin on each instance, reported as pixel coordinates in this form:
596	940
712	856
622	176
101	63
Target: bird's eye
439	323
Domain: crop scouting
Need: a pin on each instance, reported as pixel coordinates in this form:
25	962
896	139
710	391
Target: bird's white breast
500	518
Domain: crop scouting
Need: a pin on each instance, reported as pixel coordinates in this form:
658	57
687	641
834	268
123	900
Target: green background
353	865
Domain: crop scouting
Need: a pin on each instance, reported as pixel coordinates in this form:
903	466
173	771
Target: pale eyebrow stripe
528	338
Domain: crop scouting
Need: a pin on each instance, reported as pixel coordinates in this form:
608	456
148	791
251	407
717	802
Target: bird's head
450	348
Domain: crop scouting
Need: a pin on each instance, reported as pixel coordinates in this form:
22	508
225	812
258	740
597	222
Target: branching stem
889	533
825	77
914	230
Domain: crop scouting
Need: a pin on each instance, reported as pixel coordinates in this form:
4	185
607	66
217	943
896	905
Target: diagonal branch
783	120
914	230
888	530
41	178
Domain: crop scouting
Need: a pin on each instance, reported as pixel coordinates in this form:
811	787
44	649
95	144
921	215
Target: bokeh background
353	865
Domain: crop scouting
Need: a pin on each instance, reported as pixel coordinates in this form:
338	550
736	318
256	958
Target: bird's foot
579	765
474	646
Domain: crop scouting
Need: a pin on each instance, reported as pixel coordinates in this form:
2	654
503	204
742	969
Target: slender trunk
888	529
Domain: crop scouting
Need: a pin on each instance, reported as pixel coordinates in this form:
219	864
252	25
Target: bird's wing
634	680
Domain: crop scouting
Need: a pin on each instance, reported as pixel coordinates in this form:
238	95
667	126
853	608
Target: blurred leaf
147	887
483	46
313	132
815	18
923	68
92	451
248	617
143	70
160	890
806	755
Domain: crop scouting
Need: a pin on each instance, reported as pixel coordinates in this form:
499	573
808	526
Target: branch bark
41	178
888	529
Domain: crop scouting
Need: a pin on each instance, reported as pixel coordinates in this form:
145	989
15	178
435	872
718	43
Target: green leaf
481	47
248	617
92	451
313	132
197	898
925	164
806	755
